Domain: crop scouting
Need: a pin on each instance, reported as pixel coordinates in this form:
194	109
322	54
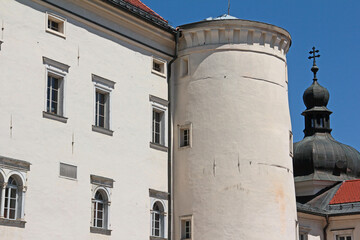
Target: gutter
170	152
326	226
107	28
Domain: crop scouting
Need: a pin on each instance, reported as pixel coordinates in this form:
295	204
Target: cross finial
314	68
228	7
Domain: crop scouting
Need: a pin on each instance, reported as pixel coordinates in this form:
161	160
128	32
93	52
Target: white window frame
60	20
343	233
183	220
106	87
159	105
163	215
57	70
20	190
188	127
162	65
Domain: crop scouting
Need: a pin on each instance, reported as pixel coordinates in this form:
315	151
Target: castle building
326	175
116	125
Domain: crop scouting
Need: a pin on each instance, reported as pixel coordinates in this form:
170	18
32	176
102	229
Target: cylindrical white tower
232	174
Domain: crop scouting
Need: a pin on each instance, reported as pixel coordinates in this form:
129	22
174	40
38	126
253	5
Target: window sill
157	238
54	117
102	231
102	130
12	223
158	147
56	33
158	73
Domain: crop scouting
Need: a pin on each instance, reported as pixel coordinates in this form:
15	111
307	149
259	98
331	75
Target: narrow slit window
101	109
157	125
54	95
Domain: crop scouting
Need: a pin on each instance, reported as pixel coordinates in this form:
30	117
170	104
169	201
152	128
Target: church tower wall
234	180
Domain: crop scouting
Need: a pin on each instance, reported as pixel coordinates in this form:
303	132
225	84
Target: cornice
237	32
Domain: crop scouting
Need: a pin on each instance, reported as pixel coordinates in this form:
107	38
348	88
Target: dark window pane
12	203
12	214
99	223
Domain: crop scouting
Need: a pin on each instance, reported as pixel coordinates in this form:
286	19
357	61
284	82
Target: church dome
321	152
316	95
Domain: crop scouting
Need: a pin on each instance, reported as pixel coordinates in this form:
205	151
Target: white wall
236	180
55	207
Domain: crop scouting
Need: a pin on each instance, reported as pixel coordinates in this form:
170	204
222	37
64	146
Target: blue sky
332	26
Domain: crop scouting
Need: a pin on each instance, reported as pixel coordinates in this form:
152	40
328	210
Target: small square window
158	67
186	228
55	24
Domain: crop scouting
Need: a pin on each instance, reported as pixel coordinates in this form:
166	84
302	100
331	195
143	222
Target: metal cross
313	52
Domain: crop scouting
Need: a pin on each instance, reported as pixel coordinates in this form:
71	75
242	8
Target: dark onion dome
316	95
319	151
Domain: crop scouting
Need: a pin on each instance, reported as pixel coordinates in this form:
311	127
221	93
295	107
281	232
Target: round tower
232	175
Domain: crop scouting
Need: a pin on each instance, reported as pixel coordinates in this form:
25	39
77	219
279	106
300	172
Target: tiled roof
349	192
142	6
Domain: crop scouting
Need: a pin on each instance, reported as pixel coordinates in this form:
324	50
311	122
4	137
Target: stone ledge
54	117
157	238
14	163
158	147
102	130
12	223
100	231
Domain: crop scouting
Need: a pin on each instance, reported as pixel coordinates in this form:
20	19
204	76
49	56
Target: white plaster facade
237	174
229	87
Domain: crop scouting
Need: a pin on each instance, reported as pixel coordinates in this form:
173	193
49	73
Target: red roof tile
348	192
142	6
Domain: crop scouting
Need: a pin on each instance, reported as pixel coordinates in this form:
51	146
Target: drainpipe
170	152
326	226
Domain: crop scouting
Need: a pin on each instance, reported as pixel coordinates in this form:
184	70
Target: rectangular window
157	126
186	228
185	135
54	95
102	104
101	109
68	171
55	89
158	67
55	24
343	237
303	236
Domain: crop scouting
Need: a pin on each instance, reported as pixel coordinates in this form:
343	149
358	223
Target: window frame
183	233
343	233
162	219
57	19
162	65
105	193
105	87
59	71
159	105
181	140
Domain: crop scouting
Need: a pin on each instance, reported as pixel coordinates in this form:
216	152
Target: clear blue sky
333	26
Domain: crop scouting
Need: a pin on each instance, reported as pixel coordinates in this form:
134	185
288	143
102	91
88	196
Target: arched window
100	210
157	220
11	199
